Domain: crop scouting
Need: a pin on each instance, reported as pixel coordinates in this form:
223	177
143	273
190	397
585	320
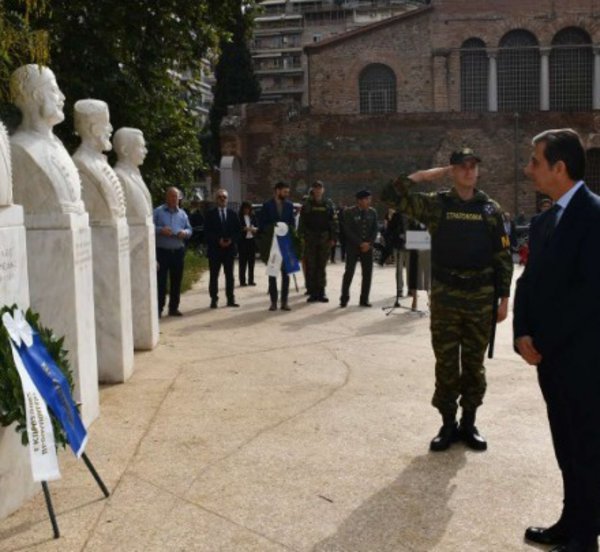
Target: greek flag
282	252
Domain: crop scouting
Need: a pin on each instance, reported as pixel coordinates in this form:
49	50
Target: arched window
518	72
377	88
571	71
473	75
592	170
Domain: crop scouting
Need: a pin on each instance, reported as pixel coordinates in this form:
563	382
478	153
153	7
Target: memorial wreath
12	401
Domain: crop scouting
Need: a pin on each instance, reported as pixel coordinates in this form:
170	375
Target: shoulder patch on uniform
489	208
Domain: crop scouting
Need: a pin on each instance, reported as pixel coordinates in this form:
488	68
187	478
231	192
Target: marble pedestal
16	482
144	300
59	255
112	293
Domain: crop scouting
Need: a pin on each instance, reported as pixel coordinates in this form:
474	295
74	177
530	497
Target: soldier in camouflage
471	269
317	228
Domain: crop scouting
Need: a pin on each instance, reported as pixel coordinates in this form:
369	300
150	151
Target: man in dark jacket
222	231
360	227
277	209
556	328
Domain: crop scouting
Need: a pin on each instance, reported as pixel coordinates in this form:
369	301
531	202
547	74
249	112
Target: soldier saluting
471	269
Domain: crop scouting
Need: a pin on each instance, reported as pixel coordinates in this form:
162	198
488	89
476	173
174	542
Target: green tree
20	43
236	81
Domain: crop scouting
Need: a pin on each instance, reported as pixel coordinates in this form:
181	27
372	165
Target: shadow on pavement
410	514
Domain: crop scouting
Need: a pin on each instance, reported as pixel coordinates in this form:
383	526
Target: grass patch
194	265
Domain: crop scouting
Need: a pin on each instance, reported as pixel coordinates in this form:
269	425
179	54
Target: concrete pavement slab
249	430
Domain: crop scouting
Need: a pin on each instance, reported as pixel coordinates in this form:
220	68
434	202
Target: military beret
460	156
363	194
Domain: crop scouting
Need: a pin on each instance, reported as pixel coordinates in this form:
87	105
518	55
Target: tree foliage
132	55
236	81
20	43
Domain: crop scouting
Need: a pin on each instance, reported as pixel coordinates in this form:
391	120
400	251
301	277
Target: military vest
463	239
317	216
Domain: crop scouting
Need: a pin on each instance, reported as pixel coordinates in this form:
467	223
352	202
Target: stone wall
349	152
422	49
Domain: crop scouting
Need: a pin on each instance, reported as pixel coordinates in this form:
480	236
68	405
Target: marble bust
6	193
102	192
130	147
45	178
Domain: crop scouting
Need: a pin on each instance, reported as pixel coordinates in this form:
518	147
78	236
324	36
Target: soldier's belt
458	281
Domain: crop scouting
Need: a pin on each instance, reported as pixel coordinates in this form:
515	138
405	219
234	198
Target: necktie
550	222
223	216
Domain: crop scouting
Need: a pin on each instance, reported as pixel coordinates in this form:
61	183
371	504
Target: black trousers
170	264
366	265
574	417
285	287
215	262
246	258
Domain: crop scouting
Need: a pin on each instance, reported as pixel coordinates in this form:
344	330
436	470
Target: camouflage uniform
469	254
317	228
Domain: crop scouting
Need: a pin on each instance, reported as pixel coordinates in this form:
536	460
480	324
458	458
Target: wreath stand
48	498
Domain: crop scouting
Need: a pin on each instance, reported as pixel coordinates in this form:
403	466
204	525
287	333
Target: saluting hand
430	174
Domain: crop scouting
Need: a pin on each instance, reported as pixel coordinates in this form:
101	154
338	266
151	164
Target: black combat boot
468	432
447	435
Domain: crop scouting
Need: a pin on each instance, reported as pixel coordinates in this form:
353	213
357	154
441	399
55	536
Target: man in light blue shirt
172	229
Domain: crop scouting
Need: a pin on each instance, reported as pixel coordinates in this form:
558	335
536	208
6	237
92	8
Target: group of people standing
556	310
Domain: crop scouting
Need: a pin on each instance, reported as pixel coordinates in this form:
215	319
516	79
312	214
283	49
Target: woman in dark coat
247	244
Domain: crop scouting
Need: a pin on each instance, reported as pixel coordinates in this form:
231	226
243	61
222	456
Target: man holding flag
276	242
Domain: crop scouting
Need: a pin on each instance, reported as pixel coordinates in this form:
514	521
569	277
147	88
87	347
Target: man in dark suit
277	209
222	231
557	329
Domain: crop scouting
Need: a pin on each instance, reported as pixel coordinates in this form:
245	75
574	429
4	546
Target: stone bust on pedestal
47	179
131	151
102	193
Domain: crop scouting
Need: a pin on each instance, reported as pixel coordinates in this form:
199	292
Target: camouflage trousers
316	254
460	334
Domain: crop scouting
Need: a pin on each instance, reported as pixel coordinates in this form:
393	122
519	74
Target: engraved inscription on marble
8	264
124	244
83	250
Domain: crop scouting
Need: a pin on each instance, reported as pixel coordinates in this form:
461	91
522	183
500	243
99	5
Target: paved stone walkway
306	431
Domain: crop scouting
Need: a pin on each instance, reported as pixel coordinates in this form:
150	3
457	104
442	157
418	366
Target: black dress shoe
323	299
273	307
447	435
243	284
285	307
312	299
576	545
175	313
232	304
365	304
343	303
555	534
213	304
251	284
471	437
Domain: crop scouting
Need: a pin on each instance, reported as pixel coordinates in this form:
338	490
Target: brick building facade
402	93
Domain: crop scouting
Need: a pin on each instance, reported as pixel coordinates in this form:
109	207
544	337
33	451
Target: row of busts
46	180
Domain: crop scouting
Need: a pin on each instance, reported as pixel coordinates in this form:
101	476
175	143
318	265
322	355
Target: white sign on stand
418	239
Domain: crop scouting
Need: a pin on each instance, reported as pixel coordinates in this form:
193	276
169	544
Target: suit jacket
253	222
267	219
214	230
269	215
359	227
557	300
